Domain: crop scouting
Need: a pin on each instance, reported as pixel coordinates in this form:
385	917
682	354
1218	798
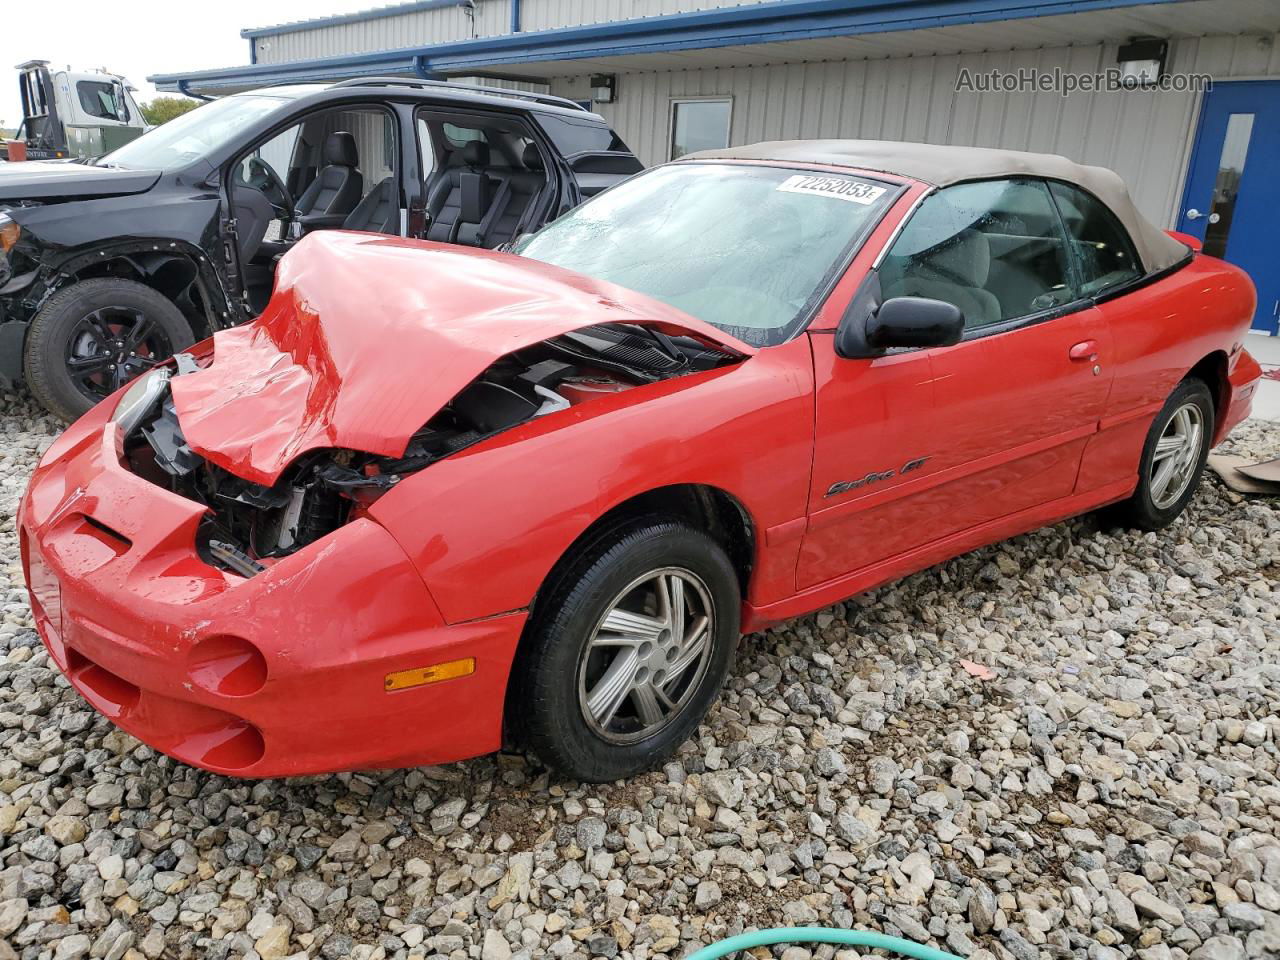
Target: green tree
163	109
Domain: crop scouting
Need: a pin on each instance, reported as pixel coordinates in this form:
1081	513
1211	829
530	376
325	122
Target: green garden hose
846	938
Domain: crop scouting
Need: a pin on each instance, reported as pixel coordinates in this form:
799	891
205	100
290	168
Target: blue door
1233	187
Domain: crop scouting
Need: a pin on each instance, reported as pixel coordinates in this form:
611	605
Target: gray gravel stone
1110	794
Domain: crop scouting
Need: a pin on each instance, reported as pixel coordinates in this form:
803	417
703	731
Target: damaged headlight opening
249	525
141	399
10	232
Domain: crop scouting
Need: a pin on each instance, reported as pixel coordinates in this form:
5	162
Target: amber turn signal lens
9	234
417	677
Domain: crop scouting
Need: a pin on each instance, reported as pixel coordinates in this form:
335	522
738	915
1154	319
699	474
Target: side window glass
374	135
426	150
1102	247
461	136
572	137
98	99
994	248
276	153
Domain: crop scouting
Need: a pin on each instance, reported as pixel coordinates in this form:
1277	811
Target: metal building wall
419	27
547	14
491	18
1144	136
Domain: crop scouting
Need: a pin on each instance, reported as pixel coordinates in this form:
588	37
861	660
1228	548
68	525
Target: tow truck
68	114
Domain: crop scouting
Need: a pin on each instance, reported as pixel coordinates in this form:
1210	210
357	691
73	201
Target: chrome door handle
1194	214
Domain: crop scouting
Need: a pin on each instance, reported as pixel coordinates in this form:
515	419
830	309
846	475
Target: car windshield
746	248
192	135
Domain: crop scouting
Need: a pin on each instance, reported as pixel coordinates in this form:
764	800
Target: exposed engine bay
250	525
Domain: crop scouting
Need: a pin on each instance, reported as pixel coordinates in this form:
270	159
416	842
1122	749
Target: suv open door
596	154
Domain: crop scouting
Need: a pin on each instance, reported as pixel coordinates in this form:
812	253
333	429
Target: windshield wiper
665	343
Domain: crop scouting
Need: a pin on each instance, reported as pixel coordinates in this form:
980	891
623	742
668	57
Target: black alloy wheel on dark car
94	337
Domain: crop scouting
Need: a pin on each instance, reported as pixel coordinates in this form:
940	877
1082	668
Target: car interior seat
378	212
955	271
337	188
525	184
445	195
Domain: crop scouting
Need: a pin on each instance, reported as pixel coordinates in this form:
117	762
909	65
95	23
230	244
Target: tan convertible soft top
944	165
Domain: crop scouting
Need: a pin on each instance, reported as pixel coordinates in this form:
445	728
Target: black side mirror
914	322
869	327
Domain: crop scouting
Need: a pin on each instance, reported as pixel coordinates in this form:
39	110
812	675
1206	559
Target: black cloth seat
378	212
337	188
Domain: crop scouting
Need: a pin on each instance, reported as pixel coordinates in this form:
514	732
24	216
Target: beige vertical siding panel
1074	111
1022	107
894	97
791	78
942	98
963	129
833	89
1045	108
989	118
919	98
854	98
657	88
811	91
874	86
753	109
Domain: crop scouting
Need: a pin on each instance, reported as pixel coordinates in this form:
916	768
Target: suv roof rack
420	84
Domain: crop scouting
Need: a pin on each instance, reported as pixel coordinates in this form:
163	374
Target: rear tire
627	652
95	336
1173	459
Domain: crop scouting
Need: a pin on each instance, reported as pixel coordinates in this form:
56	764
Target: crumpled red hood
367	337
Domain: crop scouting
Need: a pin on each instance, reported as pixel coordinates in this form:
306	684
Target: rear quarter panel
486	526
1158	334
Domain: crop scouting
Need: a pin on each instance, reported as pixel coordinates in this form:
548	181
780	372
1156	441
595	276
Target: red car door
917	446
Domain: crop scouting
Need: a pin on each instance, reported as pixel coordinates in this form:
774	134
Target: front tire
95	336
1173	458
627	652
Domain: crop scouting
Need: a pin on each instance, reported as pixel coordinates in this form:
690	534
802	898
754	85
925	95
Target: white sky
140	37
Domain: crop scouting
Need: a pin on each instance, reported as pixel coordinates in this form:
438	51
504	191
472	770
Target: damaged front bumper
299	670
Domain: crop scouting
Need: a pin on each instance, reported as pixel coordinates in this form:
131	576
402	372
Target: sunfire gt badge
844	486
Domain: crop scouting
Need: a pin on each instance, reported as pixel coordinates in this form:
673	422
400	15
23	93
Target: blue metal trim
360	16
744	25
253	51
758	23
515	16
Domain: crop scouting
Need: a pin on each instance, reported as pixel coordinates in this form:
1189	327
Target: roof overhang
772	32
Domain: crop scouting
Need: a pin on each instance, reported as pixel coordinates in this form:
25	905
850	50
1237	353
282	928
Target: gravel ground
1111	791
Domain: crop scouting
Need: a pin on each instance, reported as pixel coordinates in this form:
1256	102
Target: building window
699	125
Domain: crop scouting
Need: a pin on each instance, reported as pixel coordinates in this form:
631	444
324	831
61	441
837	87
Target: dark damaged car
108	267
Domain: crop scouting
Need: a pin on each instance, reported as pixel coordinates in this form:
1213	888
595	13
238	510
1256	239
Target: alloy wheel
110	346
647	655
1176	456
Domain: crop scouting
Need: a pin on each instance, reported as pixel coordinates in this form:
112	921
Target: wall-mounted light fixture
604	87
1142	60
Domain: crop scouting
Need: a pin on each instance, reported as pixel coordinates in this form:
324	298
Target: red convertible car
438	496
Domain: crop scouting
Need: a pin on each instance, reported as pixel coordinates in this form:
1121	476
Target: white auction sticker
840	188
